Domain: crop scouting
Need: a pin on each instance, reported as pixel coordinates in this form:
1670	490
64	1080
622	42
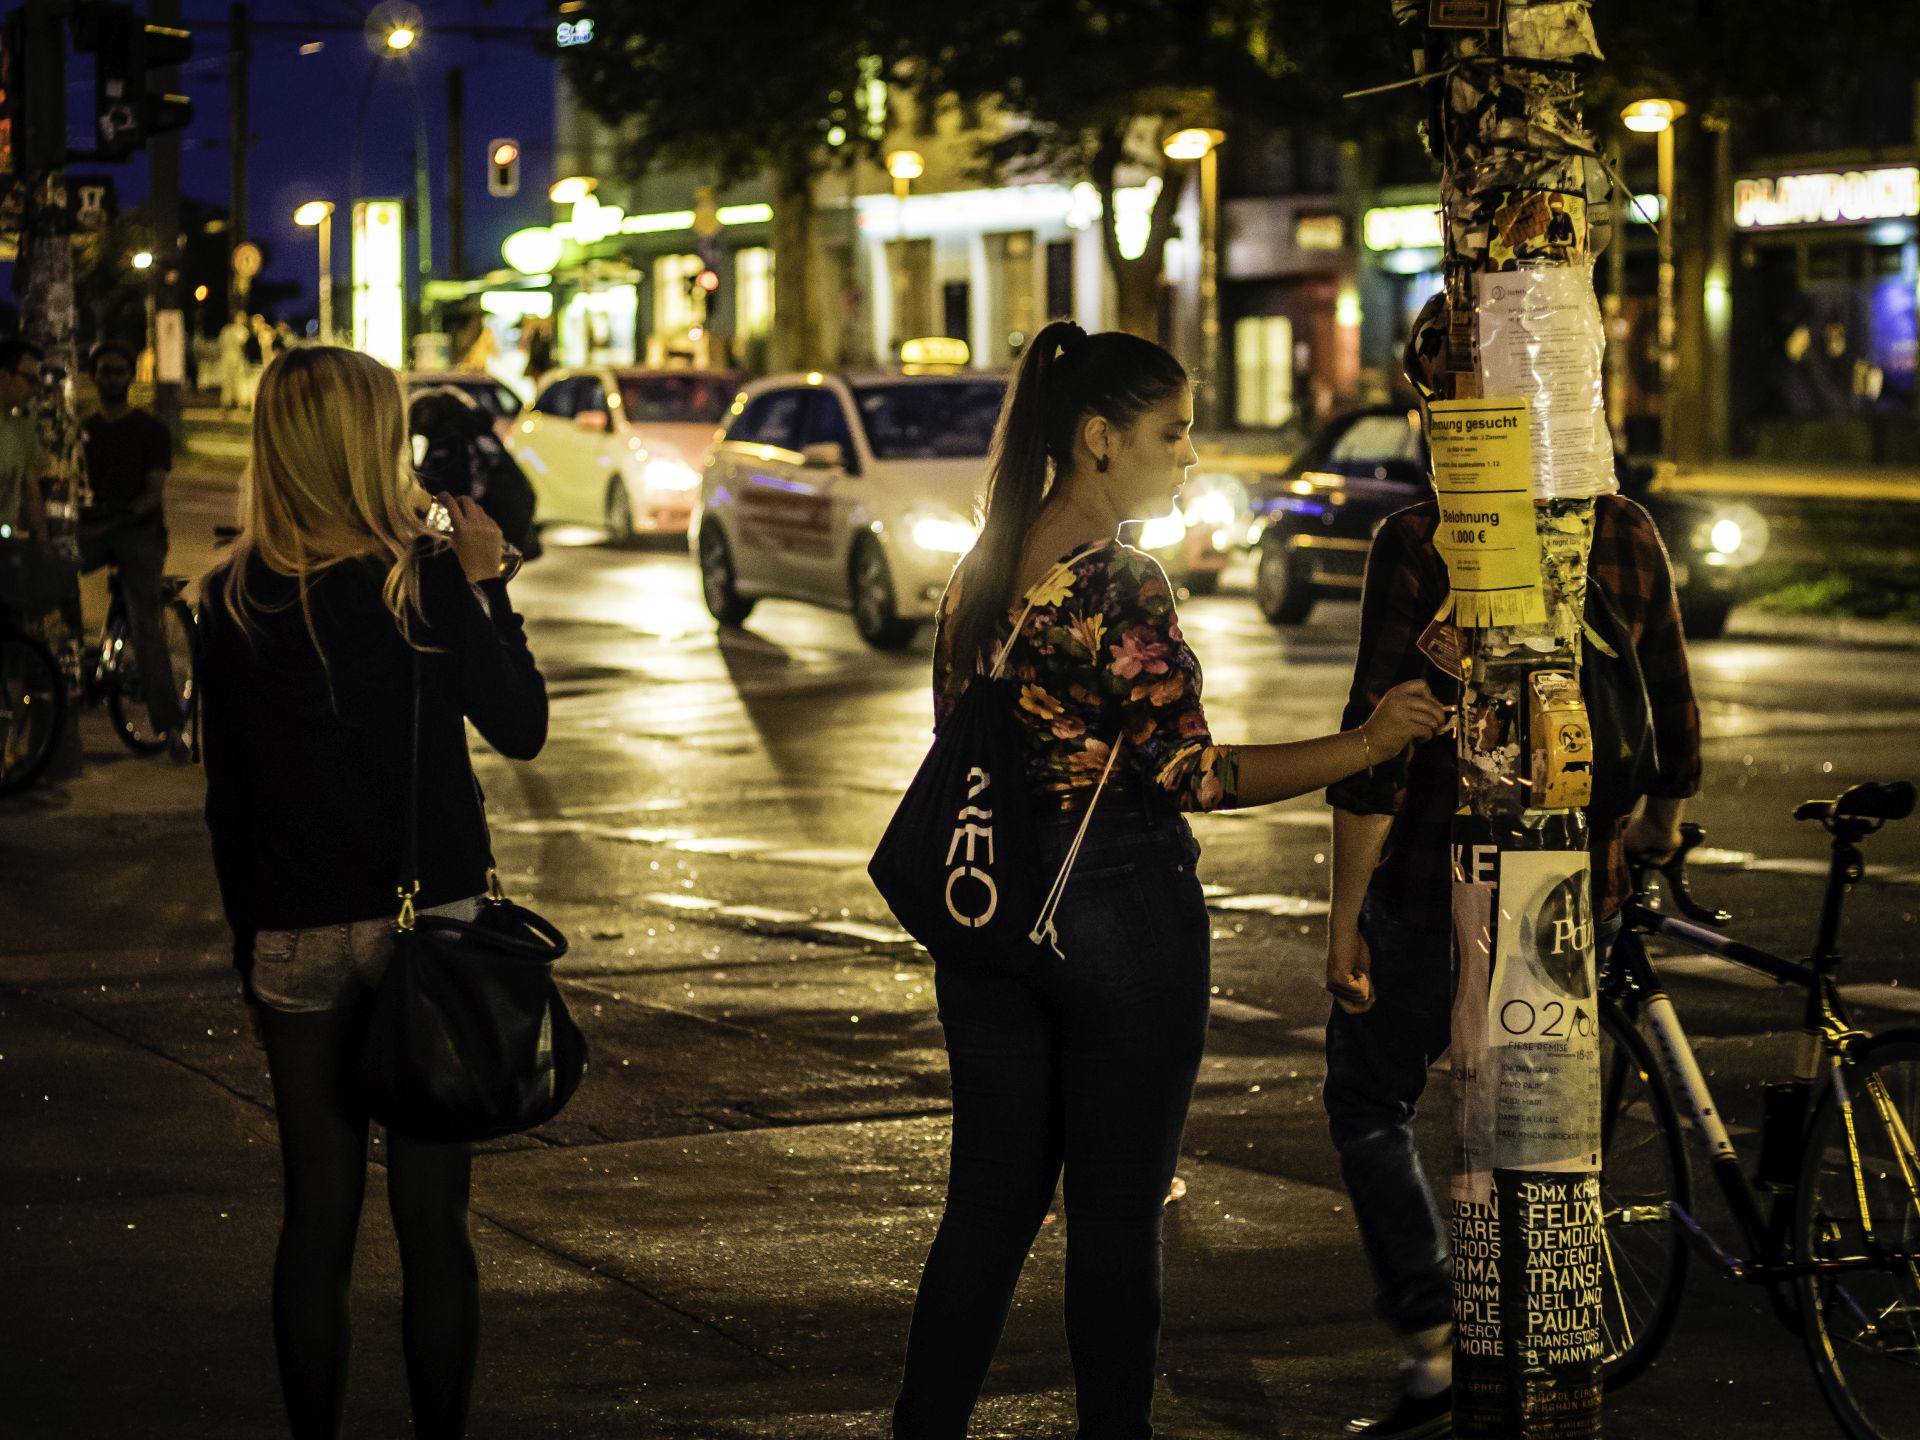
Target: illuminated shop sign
1319	232
1828	198
569	33
1402	227
379	280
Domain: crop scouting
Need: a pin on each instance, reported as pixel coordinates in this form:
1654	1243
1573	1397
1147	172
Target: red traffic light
707	281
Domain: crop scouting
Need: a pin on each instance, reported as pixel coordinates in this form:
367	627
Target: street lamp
143	259
1655	118
572	189
401	37
319	214
1204	145
905	166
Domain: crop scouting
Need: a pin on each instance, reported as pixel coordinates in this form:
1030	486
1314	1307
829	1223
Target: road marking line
860	930
720	845
1286	906
765	913
1238	1012
681	902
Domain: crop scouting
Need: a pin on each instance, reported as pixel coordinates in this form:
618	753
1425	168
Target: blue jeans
1377	1065
1086	1063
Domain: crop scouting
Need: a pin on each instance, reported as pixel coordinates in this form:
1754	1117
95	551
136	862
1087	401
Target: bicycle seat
1892	800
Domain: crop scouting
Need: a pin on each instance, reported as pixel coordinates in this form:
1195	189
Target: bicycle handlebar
1674	871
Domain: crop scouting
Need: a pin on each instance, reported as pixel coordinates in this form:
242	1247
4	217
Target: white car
855	492
620	449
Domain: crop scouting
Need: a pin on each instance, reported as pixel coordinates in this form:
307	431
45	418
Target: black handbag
469	1038
958	864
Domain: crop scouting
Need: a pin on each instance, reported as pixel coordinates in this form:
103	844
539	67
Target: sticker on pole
1543	1018
1483	476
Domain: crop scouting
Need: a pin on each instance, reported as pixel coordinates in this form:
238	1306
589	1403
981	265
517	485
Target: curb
1748	623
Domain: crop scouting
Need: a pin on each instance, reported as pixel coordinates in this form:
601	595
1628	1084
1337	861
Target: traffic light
126	49
503	168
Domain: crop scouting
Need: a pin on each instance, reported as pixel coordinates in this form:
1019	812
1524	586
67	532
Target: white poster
1543	1020
1541	339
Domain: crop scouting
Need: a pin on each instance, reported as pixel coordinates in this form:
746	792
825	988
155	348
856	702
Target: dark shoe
1411	1419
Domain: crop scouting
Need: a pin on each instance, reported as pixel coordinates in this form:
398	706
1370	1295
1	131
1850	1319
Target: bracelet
1366	750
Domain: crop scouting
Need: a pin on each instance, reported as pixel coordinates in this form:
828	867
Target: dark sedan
1314	522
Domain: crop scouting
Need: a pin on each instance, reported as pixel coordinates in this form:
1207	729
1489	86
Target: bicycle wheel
33	701
127	693
1859	1206
1643	1173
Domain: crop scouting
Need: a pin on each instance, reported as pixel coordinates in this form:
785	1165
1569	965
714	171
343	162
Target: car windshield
676	399
941	420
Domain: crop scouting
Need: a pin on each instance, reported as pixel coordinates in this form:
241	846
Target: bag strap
410	823
1000	661
1043	930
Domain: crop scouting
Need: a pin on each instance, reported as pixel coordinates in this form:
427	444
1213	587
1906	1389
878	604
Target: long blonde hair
329	480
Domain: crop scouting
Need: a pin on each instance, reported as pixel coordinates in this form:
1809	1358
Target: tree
1096	88
736	88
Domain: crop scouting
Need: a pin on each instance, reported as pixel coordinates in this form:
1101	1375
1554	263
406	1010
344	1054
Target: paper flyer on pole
1542	339
1543	1022
1482	474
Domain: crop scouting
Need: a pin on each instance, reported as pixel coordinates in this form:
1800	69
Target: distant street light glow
1192	144
401	37
906	165
313	212
1650	117
572	190
143	259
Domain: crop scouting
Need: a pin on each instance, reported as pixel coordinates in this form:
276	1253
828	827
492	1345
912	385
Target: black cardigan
307	761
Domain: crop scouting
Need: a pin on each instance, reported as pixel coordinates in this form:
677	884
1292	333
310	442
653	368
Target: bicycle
33	704
113	674
1838	1245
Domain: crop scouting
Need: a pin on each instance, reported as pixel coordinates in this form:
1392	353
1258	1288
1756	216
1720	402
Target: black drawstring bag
958	865
469	1038
1626	758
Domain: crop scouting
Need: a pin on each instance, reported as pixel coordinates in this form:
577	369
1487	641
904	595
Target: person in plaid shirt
1388	932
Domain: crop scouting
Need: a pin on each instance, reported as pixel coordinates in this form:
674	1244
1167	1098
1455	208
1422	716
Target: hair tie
1071	339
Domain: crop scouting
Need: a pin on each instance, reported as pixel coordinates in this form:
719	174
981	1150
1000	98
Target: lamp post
905	166
1204	146
319	215
1655	118
393	31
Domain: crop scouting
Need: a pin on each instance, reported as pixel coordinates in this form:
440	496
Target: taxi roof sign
932	353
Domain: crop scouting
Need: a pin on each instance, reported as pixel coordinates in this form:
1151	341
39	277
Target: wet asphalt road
702	815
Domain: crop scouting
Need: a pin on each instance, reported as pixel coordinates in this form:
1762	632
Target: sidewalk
718	1240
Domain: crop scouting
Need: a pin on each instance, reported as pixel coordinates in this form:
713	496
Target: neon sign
1828	198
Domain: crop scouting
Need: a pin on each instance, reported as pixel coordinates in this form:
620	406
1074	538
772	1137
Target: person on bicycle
1087	1063
336	596
129	456
1389	959
23	510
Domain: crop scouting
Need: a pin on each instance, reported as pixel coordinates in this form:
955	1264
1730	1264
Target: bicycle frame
1827	1040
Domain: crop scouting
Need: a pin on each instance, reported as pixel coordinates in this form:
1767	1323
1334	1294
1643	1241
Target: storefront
1400	241
1826	270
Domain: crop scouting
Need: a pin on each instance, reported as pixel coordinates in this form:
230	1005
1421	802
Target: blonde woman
335	588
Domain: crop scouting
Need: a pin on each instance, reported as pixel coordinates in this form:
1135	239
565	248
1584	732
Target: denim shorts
331	967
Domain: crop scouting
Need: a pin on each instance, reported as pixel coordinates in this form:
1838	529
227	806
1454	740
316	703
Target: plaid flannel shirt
1405	586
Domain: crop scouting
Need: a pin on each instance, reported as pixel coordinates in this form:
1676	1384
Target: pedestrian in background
335	591
1088	1061
129	456
234	391
23	510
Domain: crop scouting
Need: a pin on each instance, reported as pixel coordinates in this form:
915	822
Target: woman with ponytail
1087	1062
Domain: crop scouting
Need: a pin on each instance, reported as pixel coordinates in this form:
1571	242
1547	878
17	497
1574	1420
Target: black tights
323	1149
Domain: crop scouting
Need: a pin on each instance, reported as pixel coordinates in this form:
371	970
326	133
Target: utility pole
170	337
47	317
239	135
456	172
1511	357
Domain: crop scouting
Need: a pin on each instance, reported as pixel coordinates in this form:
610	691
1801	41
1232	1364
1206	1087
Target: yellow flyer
1483	474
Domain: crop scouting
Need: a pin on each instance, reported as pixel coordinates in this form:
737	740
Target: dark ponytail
1065	376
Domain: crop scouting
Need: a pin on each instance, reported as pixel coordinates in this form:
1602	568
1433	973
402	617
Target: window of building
1263	371
1060	279
675	311
753	292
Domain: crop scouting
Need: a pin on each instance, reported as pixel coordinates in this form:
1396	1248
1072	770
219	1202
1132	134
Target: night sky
303	109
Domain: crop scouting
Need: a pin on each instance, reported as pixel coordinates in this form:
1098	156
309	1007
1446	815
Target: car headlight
941	535
1211	509
1163	531
664	474
1732	535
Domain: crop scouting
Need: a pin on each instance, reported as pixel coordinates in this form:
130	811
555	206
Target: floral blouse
1100	656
